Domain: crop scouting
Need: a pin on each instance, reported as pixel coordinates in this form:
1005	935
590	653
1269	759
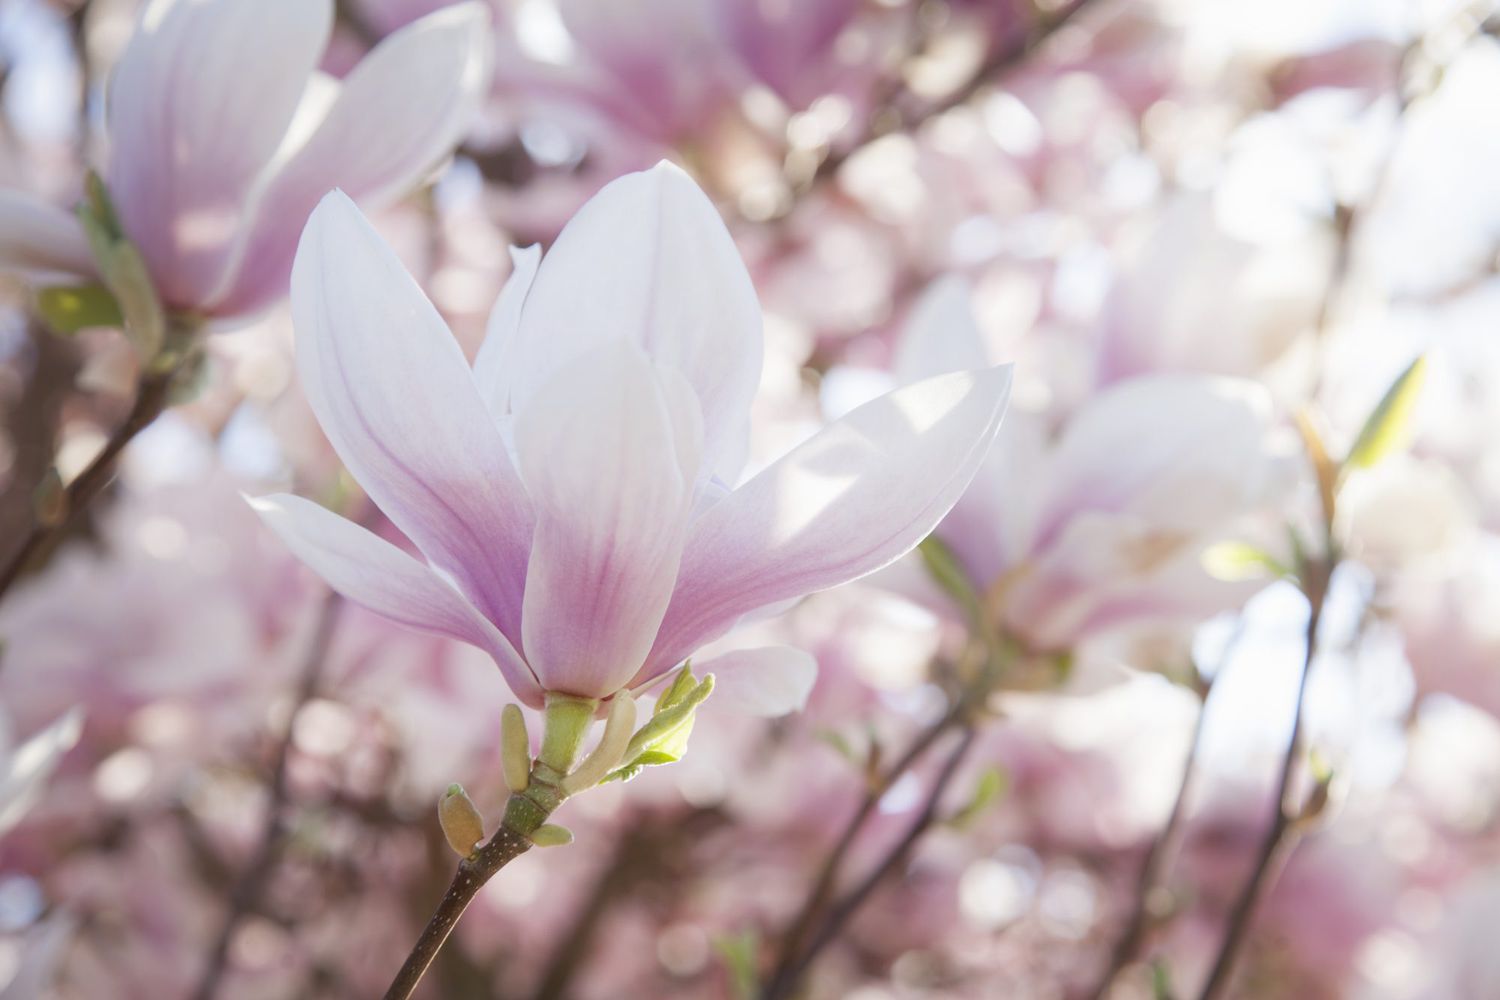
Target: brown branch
823	884
1153	866
839	916
32	422
649	853
473	872
251	886
886	120
151	398
1278	838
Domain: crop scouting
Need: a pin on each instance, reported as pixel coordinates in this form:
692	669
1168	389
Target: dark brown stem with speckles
151	399
524	815
473	873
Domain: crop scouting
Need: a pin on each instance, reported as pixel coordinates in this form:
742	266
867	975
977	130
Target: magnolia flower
224	135
1103	523
571	494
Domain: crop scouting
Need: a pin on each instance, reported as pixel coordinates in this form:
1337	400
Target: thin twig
822	888
151	398
1277	840
650	852
1004	59
473	872
251	886
842	912
1163	847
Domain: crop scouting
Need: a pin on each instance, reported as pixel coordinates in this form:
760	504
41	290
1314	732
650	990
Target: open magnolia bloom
572	492
1103	521
218	152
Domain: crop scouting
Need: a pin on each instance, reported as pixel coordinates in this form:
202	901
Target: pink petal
599	453
768	681
858	495
198	106
397	399
648	260
376	575
494	367
395	117
36	237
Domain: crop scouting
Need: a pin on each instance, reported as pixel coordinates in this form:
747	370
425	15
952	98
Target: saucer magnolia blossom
572	494
1103	522
223	135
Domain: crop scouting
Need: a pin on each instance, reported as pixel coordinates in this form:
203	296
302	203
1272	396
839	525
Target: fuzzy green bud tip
462	824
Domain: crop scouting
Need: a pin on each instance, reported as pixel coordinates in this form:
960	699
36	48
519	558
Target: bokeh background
1148	205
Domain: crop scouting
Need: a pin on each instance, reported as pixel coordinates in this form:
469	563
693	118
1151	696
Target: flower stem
151	399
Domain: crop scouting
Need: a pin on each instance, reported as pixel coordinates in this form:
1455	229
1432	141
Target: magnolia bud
552	835
515	749
460	820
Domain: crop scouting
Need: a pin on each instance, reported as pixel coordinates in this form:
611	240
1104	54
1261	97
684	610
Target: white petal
39	238
397	399
768	681
376	575
858	495
397	115
941	334
648	260
199	103
494	367
598	451
1179	450
27	769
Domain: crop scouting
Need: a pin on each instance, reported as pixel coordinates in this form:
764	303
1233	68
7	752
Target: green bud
461	822
66	309
552	835
1389	425
515	749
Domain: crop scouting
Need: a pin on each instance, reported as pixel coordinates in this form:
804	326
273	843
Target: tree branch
795	966
1277	840
151	398
822	888
1004	59
251	886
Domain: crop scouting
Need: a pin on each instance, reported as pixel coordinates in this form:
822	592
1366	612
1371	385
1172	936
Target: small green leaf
991	785
70	308
948	573
1236	561
740	953
664	739
679	689
669	728
840	744
1161	981
1388	427
651	758
124	271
